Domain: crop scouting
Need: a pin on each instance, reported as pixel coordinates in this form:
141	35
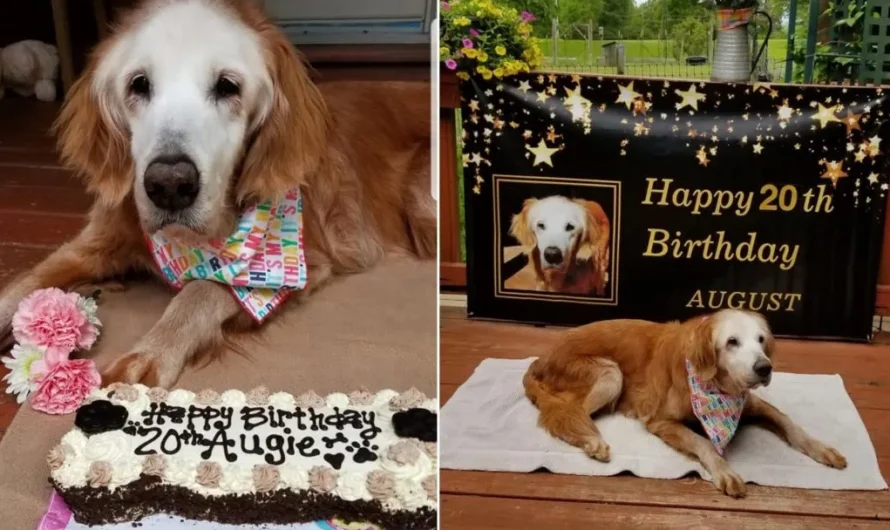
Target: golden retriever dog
638	368
568	241
193	109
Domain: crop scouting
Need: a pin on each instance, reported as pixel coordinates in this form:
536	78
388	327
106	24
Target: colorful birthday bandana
262	261
719	413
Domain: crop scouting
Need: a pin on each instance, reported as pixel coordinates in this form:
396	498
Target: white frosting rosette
353	486
337	399
237	478
112	447
137	406
181	471
283	401
180	398
412	495
383	398
294	476
75	440
233	398
73	473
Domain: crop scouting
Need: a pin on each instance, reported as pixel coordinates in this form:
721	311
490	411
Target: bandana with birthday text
263	261
718	412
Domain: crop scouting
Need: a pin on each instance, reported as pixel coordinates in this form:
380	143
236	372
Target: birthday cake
250	458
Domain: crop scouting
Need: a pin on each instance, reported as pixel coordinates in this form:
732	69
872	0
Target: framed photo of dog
557	239
593	197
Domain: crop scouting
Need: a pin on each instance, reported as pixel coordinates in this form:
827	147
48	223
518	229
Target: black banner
591	198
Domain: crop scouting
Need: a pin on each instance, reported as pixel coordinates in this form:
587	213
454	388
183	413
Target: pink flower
451	64
528	17
445	5
54	320
66	385
467	43
474	33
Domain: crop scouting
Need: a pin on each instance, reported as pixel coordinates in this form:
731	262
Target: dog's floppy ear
291	137
520	228
91	142
596	229
769	342
701	350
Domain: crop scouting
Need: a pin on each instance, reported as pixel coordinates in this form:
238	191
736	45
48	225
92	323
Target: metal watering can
732	53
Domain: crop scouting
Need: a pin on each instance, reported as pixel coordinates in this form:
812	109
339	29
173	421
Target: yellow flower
462	21
486	75
462	75
482	69
444	51
499	72
469	52
483	57
500	50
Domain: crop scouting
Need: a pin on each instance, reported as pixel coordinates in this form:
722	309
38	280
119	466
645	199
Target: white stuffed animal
29	67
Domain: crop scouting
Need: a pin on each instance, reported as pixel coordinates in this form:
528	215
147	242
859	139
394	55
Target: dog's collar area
262	261
718	412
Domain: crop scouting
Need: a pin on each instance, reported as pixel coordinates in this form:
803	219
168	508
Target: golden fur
587	265
359	151
637	368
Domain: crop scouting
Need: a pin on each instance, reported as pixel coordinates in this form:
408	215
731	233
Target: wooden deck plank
39	229
14	260
688	493
470	512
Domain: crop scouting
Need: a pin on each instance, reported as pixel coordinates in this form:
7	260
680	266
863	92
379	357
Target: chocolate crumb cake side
258	457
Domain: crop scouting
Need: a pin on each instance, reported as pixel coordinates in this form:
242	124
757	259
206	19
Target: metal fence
583	48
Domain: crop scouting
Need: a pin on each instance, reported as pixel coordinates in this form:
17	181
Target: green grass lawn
636	50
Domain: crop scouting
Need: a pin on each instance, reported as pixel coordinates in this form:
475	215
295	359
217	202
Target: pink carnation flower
66	385
467	43
53	319
528	17
451	64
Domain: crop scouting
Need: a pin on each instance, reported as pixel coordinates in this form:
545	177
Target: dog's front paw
598	450
133	368
728	482
826	455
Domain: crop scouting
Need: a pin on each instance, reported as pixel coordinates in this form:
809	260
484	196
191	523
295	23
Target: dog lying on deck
642	370
191	112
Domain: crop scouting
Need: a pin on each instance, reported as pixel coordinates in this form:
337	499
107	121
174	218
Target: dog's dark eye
226	88
541	226
569	227
732	342
140	86
760	339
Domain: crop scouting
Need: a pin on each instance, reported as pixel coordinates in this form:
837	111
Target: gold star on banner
689	98
514	124
860	156
785	112
797	147
624	142
479	179
692	133
825	115
527	134
773	94
758	86
551	78
542	153
851	120
757	148
713	151
551	90
873	178
524	86
477	189
474	118
578	105
466	159
702	156
745	116
850	147
542	97
498	123
875	140
834	171
627	95
551	134
639	129
745	139
474	105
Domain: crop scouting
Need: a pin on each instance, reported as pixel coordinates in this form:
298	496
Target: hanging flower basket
488	39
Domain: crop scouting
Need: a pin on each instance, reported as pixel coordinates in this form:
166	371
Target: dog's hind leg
567	415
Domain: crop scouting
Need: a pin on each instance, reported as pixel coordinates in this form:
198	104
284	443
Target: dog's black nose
763	368
553	255
172	182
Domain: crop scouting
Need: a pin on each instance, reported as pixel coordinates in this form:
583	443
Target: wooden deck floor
486	500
